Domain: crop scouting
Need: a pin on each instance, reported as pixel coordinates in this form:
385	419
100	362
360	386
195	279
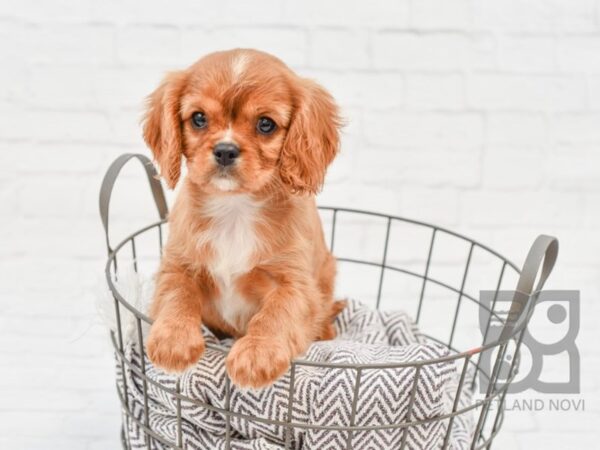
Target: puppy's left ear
162	126
312	140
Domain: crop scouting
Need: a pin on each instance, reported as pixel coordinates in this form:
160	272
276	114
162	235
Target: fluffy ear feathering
163	127
245	256
312	141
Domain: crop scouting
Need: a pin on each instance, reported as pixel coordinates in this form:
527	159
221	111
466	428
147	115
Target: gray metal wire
485	430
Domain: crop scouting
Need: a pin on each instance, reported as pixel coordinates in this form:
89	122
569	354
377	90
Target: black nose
225	153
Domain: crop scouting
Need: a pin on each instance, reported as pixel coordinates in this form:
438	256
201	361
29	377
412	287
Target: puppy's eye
265	125
199	120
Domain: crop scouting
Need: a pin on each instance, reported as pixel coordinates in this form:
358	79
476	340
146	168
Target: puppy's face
235	113
242	121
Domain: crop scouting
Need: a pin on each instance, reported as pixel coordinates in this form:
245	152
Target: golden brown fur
282	300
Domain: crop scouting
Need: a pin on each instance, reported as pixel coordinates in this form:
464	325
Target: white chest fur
234	242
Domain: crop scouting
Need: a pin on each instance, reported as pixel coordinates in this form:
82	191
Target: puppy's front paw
257	362
175	346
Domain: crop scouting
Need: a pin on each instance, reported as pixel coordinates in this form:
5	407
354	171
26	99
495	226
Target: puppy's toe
175	347
257	362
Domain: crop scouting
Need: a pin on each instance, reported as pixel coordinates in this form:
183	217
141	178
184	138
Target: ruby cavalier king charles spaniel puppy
246	255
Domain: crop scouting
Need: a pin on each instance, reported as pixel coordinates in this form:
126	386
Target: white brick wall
480	115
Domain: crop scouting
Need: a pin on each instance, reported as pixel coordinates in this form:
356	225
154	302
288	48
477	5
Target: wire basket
419	273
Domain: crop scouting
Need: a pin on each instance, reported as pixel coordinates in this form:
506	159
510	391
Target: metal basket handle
545	248
109	181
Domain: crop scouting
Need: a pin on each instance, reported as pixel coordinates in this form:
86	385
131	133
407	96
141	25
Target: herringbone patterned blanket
322	396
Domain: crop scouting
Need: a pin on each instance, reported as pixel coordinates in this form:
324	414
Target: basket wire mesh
504	348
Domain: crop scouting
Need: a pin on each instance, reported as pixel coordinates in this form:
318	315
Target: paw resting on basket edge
257	362
175	347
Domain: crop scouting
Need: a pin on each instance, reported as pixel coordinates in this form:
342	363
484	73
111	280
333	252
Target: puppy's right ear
163	128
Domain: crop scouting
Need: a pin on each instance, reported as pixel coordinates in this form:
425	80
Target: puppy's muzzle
226	153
